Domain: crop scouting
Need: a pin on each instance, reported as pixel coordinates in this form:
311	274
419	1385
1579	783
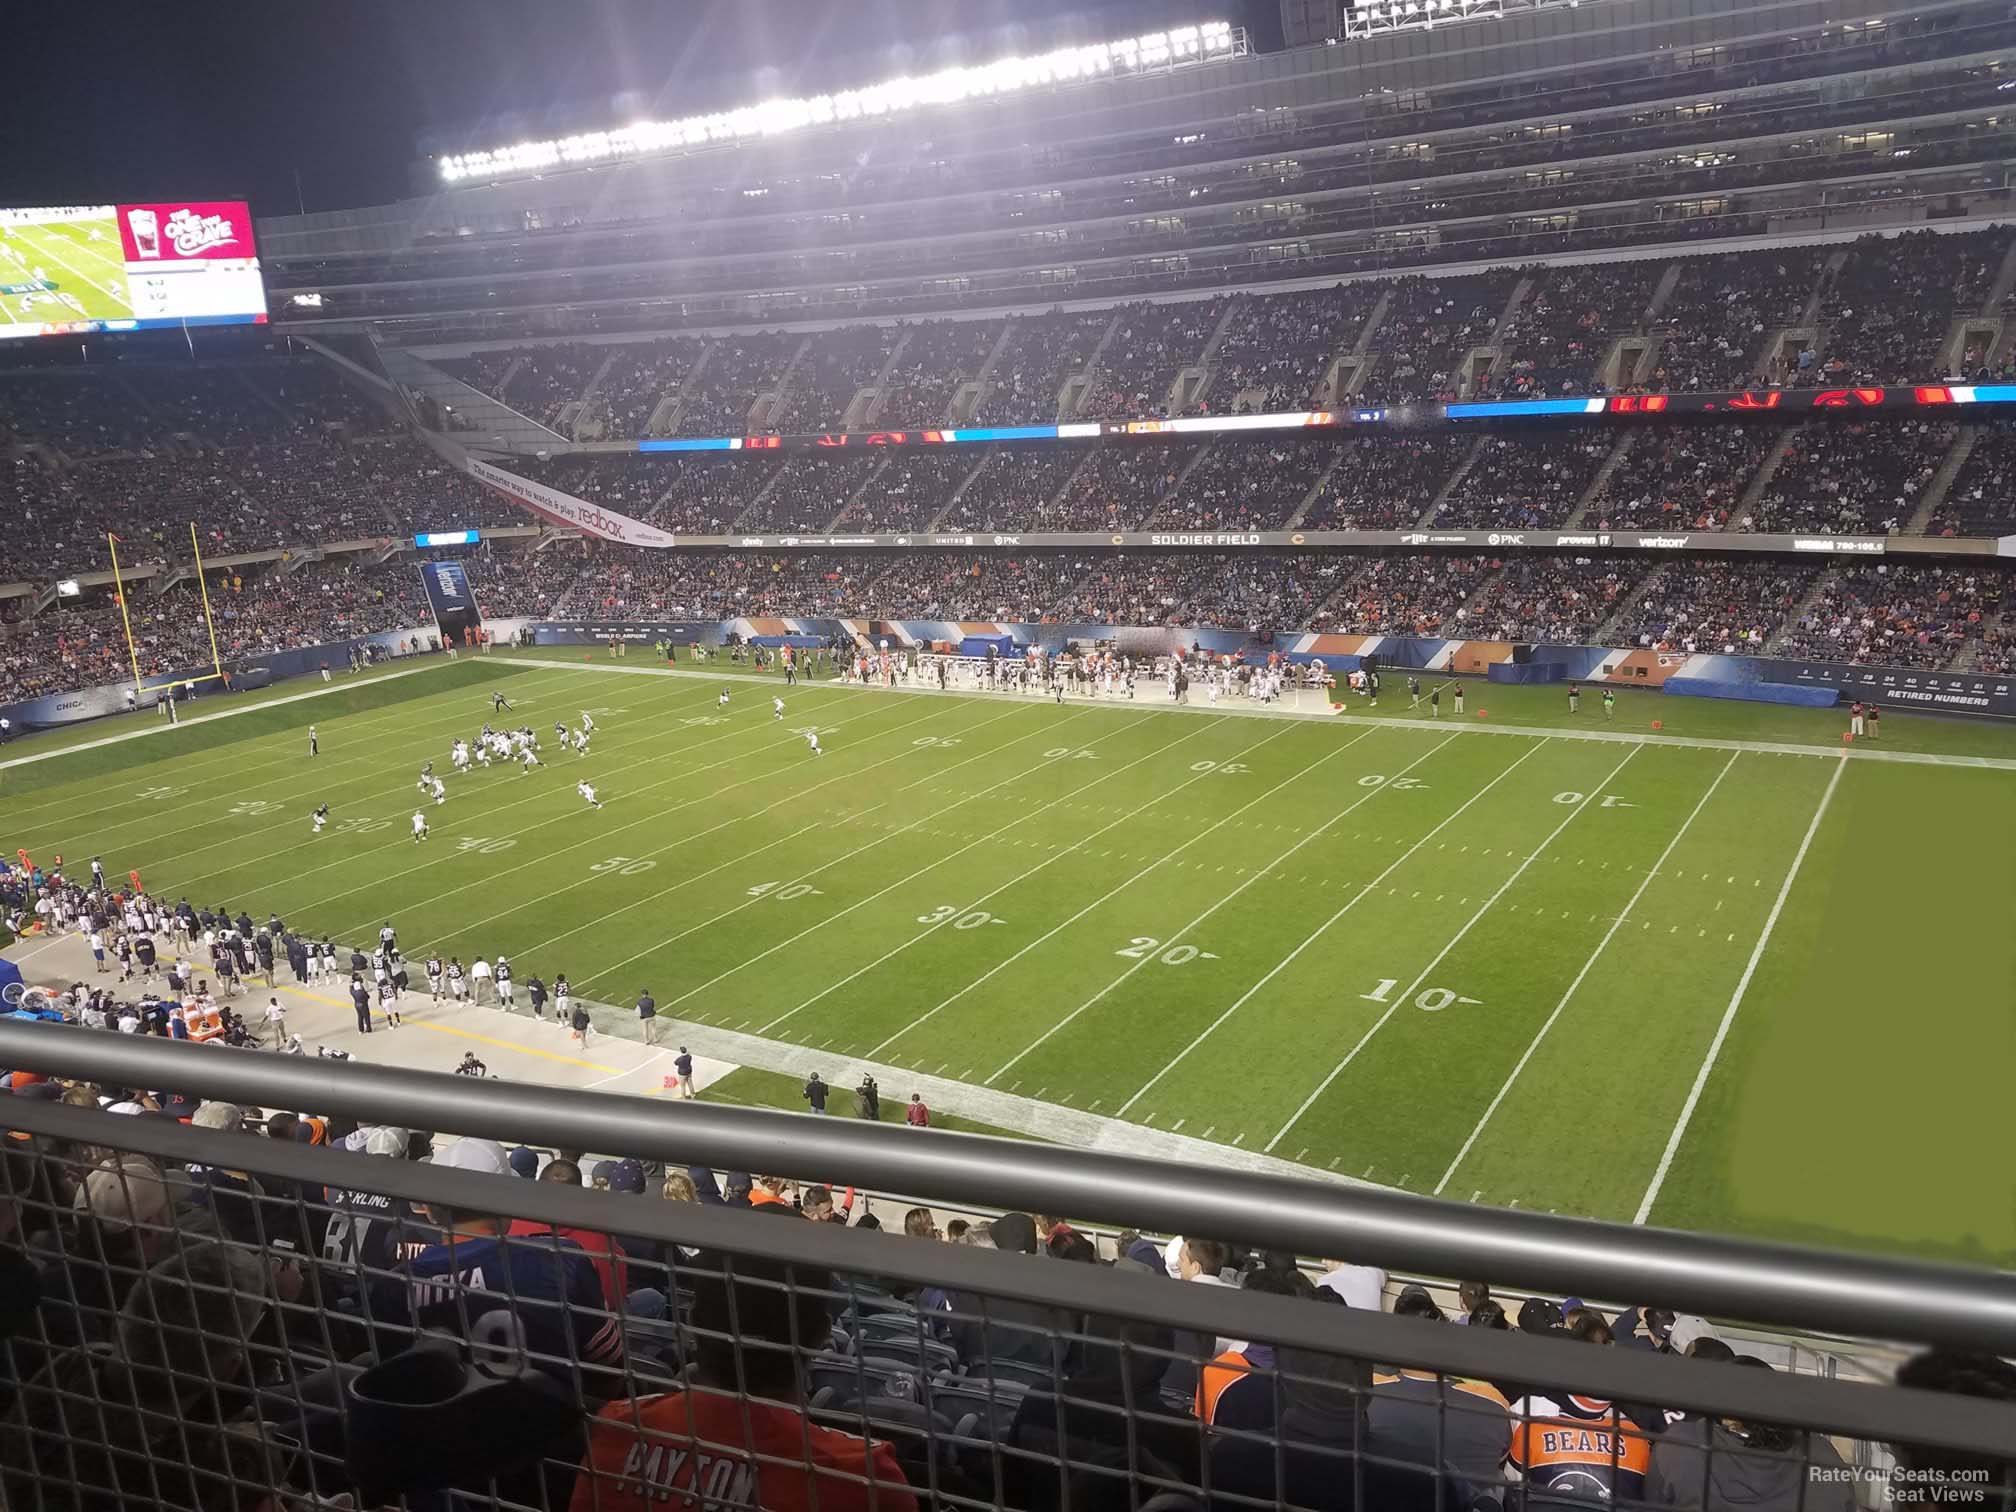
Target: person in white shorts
812	739
503	979
776	708
419	826
587	791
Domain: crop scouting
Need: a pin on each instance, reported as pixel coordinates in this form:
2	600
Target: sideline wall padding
1755	692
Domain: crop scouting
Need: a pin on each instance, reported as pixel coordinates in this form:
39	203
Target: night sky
222	98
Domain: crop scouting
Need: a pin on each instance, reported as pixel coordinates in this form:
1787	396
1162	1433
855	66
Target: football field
81	259
1729	975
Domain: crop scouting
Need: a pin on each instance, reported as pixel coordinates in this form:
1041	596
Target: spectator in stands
748	1335
1727	1464
1604	1455
988	1328
147	1423
548	1290
1934	1477
1362	1286
1102	1414
1320	1432
1416	1417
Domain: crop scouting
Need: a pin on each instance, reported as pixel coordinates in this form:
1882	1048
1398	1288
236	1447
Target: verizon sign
565	509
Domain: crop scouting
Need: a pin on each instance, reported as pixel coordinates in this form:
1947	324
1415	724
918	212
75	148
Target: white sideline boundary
1244	709
1407	993
1324	928
158	728
1735	1002
1654	870
1051	1122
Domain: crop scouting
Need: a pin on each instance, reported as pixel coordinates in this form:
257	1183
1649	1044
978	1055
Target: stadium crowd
1277	351
1525	482
1042	351
167	1324
1013	486
936	358
1710	605
1702	322
1895	615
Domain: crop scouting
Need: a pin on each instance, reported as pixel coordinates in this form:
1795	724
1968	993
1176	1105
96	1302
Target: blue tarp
1755	692
980	645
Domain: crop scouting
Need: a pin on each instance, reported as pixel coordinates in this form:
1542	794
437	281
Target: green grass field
1725	977
81	259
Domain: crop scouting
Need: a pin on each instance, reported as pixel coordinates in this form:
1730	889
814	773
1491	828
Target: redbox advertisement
172	232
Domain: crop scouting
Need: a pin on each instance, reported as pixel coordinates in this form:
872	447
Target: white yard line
1321	829
250	708
1408	995
1588	965
797	797
109	293
1158	703
233	756
1016	1112
489	811
1288	960
1056	929
150	849
602	837
1736	1000
901	881
1022	876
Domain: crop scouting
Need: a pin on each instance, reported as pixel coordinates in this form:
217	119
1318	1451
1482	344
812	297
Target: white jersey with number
419	824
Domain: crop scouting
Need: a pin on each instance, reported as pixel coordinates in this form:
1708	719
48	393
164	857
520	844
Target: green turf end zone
1497	966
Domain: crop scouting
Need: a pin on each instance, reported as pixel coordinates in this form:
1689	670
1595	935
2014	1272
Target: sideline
321	1018
1048	1121
1158	701
157	728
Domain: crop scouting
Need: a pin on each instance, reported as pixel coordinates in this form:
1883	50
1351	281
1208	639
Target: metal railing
223	1317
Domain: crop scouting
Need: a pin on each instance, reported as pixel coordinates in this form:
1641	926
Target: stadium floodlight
1177	47
1371	18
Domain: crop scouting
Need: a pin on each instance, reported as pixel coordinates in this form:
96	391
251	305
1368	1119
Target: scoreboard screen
82	268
